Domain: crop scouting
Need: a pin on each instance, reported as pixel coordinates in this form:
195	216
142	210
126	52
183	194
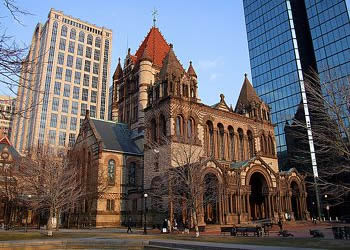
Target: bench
244	231
226	230
316	234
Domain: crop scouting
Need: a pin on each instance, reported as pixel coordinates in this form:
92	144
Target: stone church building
156	109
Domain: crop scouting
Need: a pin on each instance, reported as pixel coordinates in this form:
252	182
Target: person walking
164	226
280	225
129	225
169	226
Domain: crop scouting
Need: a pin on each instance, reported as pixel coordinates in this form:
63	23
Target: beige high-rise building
7	106
68	73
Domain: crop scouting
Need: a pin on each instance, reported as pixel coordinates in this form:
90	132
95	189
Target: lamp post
145	211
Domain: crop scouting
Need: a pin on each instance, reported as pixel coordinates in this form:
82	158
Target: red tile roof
157	47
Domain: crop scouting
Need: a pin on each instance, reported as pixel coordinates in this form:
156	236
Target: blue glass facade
285	39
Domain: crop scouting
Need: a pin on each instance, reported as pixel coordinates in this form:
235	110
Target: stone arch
221	141
209	137
179	125
240	144
231	143
251	144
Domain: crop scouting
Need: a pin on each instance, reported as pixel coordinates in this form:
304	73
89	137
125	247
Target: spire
145	56
157	47
191	71
247	95
118	73
171	65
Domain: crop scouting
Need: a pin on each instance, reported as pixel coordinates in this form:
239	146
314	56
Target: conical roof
171	65
118	73
247	94
156	46
191	71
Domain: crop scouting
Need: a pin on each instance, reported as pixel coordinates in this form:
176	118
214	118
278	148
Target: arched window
132	174
240	136
89	39
153	130
232	143
64	31
271	146
210	130
263	143
72	34
81	36
178	126
98	42
250	143
190	128
111	172
162	125
221	142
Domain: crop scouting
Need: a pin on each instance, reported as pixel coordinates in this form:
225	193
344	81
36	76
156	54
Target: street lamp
327	207
145	211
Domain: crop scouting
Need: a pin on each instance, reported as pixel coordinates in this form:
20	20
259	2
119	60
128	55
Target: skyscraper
67	71
286	38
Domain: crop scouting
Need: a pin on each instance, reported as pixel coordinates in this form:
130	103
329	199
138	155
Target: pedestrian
164	226
175	225
129	225
280	225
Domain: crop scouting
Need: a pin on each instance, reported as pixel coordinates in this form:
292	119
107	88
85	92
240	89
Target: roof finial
154	14
245	75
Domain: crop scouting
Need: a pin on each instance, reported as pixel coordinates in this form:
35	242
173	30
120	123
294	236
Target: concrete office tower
286	38
69	74
7	107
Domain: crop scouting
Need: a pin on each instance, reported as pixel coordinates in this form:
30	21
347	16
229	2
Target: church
156	110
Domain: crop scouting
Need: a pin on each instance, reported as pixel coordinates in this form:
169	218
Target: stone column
270	205
248	206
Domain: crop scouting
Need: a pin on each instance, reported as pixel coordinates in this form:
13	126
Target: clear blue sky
210	33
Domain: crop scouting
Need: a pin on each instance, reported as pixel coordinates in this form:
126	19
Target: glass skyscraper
286	38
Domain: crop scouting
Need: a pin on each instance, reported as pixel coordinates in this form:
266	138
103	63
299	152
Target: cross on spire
154	14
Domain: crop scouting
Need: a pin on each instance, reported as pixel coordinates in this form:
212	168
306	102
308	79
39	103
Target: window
97	55
76	92
250	144
55	103
63	124
72	34
87	66
89	39
77	77
59	71
64	31
98	42
66	90
241	152
232	143
71	47
86	80
78	63
70	61
95	68
57	88
154	130
62	44
81	36
93	96
111	172
189	128
85	95
62	138
71	140
92	111
83	109
68	76
162	121
178	126
74	108
132	174
110	205
52	137
210	138
53	121
80	49
94	82
88	52
65	104
60	58
221	141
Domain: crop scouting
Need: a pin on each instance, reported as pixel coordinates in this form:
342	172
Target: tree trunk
195	221
49	223
58	219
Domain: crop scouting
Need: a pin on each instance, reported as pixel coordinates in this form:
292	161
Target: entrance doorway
210	199
295	200
258	206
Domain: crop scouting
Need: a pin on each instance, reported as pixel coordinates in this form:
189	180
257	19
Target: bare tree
49	181
329	105
182	184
